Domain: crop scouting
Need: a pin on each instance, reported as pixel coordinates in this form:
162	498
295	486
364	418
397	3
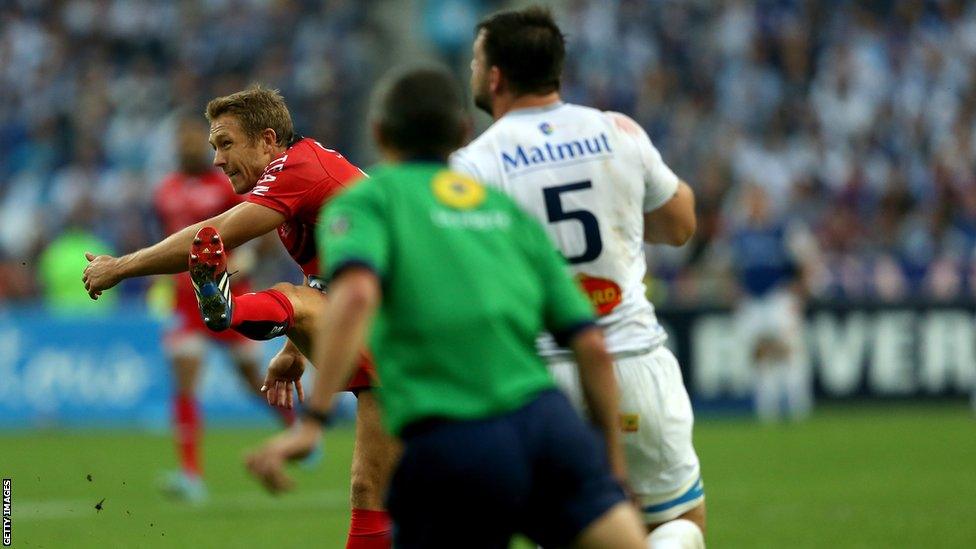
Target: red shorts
364	377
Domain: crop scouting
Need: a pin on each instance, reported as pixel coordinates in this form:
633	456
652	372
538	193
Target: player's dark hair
420	114
527	46
257	109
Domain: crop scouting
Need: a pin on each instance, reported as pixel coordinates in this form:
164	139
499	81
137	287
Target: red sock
287	416
262	315
370	530
187	426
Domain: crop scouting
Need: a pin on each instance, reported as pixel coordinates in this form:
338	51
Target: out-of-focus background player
192	193
771	258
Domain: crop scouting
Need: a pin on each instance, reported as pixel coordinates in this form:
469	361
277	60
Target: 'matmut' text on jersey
548	153
589	176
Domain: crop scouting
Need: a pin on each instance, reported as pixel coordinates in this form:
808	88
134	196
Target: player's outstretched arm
600	391
674	222
236	226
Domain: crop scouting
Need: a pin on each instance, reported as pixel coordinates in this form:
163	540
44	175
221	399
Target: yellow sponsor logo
629	423
457	191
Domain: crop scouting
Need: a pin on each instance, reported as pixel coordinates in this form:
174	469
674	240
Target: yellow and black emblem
457	190
629	423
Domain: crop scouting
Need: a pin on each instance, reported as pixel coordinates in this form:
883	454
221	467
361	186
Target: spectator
853	116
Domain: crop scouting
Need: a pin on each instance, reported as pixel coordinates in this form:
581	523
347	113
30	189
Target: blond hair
257	109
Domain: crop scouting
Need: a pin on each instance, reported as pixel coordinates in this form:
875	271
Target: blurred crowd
90	91
856	119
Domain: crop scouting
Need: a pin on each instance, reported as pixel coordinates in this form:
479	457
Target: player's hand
284	372
100	274
267	463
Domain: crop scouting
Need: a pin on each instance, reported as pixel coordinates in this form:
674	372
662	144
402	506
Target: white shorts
776	315
656	420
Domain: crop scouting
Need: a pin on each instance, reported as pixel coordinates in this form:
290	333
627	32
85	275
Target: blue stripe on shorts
696	491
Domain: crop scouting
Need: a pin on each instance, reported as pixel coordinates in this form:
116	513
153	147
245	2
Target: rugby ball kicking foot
211	283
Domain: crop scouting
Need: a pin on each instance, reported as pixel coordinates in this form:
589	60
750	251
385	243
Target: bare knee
306	303
697	515
288	290
365	491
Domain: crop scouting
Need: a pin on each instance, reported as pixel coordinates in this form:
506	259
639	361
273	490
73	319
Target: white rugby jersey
589	176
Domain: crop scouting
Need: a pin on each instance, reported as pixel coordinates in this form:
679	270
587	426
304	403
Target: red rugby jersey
296	184
182	199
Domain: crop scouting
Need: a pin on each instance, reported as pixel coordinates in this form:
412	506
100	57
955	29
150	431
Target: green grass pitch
871	476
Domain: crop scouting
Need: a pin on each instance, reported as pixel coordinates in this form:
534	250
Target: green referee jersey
468	281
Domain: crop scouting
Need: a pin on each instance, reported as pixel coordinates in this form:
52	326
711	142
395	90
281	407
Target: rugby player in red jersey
195	192
287	179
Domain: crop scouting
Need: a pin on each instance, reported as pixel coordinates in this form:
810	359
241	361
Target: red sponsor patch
604	294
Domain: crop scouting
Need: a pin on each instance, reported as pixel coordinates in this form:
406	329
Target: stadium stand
858	119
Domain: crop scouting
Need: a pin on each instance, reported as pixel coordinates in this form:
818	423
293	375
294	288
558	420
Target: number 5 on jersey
591	227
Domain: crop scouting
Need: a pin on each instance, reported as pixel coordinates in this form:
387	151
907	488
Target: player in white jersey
601	189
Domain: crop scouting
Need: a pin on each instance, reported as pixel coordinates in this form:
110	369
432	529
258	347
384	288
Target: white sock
676	534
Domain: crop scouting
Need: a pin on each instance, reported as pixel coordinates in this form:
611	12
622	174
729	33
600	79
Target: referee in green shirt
449	283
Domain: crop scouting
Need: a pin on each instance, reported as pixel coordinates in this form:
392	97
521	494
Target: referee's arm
600	390
354	296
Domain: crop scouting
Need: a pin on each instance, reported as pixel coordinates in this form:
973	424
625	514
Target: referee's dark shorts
539	470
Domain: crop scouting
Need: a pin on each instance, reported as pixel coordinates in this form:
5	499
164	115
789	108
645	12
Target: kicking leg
283	309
